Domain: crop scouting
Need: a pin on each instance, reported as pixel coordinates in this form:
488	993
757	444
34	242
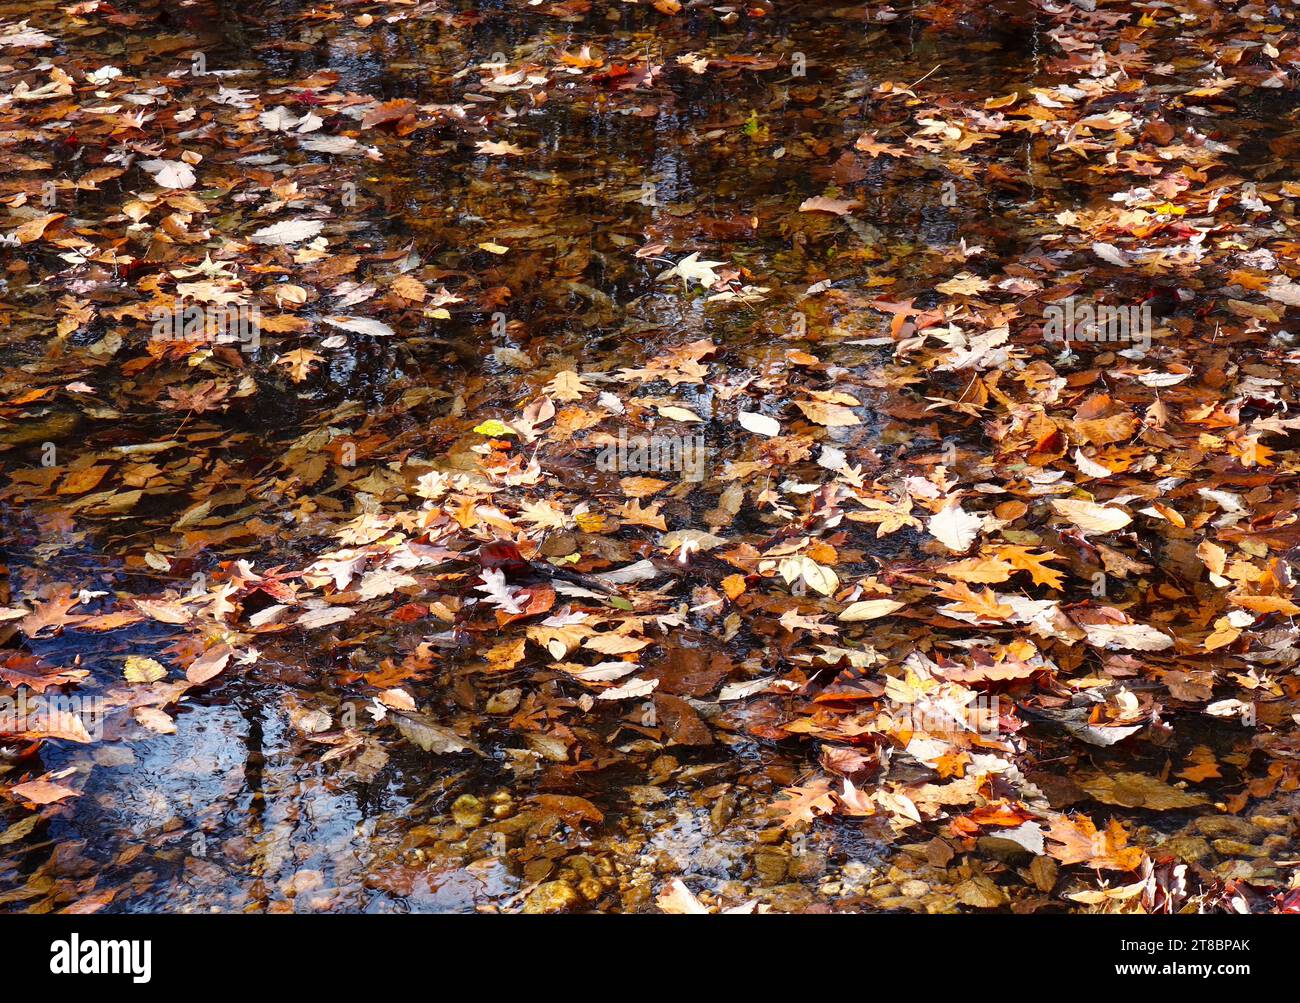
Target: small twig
926	77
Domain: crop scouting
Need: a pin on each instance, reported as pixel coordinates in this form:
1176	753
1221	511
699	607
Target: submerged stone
552	897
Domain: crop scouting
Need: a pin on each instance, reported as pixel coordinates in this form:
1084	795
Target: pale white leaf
954	527
759	424
361	325
291	231
869	609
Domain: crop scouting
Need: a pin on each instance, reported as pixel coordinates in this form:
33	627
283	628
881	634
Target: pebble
1006	850
552	897
771	865
1236	848
901	902
790	898
807	865
467	810
1228	827
1190	849
1273	823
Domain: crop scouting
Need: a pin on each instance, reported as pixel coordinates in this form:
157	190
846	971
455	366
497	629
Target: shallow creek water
234	811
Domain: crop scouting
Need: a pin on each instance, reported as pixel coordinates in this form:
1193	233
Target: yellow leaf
143	670
495	428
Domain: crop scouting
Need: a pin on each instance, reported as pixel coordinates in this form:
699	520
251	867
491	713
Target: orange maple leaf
1023	560
805	803
980	603
1077	840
